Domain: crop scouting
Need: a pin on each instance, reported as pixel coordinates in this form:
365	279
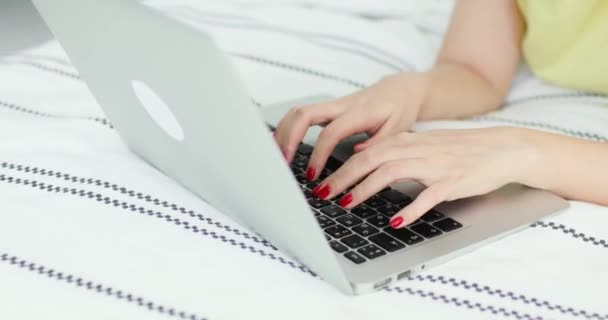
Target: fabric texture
566	43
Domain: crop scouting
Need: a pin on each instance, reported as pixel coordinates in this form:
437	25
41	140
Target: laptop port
382	283
403	275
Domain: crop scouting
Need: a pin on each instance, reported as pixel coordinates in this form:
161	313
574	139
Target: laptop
177	102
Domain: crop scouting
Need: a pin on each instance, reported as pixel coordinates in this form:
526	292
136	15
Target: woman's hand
388	107
452	164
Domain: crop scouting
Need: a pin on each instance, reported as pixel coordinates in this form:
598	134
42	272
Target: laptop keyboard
363	233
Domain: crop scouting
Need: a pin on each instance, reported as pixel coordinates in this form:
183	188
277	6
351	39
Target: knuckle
403	136
299	112
390	171
393	140
328	134
378	147
366	158
330	104
288	148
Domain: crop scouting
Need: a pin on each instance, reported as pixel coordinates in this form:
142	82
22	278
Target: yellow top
566	42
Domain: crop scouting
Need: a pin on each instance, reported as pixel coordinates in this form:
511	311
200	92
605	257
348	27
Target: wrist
416	86
538	158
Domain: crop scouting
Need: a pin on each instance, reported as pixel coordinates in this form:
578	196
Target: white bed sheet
87	230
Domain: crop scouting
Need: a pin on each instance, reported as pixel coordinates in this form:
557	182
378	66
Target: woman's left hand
452	164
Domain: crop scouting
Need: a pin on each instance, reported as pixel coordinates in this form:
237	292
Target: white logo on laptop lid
158	110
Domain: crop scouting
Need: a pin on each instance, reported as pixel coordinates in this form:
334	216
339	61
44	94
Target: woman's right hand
383	109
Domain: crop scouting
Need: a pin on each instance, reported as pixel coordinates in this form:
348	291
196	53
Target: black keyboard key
301	179
387	243
354	241
371	251
349	220
313	184
338	247
395	197
333	164
318	203
296	170
426	230
363	211
324	174
337	231
354	257
432	216
375	202
304	149
300	161
378	221
389	210
307	194
365	230
316	213
333	211
447	224
325	222
404	235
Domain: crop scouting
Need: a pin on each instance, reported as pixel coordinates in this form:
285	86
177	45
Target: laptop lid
219	147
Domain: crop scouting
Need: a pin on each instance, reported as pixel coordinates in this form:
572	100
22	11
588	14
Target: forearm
477	60
453	91
573	168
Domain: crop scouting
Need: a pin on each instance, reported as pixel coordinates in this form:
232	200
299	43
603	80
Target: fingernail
285	156
396	222
310	173
346	200
324	192
315	191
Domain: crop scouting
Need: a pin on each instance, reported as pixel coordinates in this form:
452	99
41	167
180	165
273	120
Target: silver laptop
177	103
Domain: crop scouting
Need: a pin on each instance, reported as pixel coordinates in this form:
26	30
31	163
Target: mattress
88	230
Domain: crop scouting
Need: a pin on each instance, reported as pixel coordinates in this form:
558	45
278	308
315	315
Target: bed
88	230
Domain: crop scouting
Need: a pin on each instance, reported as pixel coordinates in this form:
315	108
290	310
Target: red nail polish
310	173
396	222
346	200
324	192
315	191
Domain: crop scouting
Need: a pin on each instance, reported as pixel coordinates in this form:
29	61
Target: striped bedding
87	230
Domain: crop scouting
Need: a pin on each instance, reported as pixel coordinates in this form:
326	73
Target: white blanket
87	230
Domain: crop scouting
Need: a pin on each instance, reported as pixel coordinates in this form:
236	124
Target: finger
389	172
385	130
426	200
352	171
347	124
360	165
396	148
293	126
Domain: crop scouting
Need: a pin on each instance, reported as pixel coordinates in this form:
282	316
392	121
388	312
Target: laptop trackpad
274	113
